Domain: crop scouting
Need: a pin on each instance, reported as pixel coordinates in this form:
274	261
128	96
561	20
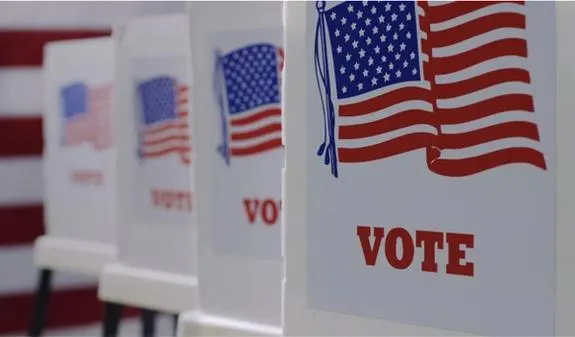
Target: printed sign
247	174
433	176
164	147
86	120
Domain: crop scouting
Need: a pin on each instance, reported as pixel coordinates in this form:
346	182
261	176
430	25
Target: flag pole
329	115
223	147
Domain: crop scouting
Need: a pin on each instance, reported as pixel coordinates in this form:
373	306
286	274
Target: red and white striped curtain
24	29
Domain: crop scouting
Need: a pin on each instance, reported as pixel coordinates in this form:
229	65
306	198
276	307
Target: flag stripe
21	93
483	81
384	101
394	122
261	147
402	144
252	118
488	107
455	9
22	224
26	47
261	131
487	134
24	135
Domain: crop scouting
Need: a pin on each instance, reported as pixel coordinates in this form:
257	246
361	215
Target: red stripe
261	131
384	101
488	134
394	122
177	149
386	149
482	81
499	48
21	136
474	165
25	47
256	117
454	9
477	27
21	224
488	107
68	307
177	126
262	147
166	139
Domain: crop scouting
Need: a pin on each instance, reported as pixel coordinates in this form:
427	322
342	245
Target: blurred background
24	28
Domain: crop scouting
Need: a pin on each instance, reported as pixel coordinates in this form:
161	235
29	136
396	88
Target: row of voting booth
319	168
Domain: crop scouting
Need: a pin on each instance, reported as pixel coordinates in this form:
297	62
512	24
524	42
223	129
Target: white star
365	72
351	77
390	48
367	21
356	66
365	3
401	26
405	64
391	66
387	7
395	37
344	90
402	46
354	44
346	37
373	81
333	16
408	16
339	49
375	30
361	32
397	57
381	18
386	77
388	27
359	86
408	35
348	57
337	32
353	26
378	69
398	73
373	10
343	20
382	38
383	59
402	7
342	70
359	14
414	71
376	49
361	53
350	8
368	41
370	61
412	55
393	17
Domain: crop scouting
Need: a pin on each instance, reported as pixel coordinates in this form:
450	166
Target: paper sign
164	146
431	163
247	163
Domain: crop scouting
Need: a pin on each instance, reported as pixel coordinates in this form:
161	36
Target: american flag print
450	77
87	115
165	128
247	85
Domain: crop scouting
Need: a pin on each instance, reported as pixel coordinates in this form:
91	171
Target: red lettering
429	241
156	197
408	249
456	254
370	252
251	207
170	199
269	212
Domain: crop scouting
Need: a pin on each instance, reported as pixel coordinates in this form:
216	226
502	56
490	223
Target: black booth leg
175	327
112	315
40	310
148	322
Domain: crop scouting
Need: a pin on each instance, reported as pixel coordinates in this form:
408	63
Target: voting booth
237	57
79	163
156	268
428	168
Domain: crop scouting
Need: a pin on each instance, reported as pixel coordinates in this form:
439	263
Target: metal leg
175	317
112	315
40	310
148	322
